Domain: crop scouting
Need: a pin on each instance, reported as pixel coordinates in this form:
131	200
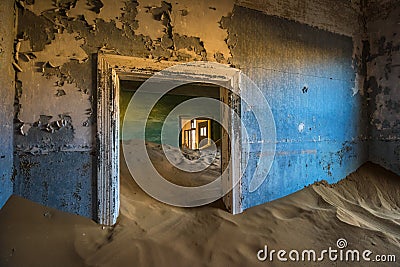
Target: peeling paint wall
299	67
7	23
383	82
55	112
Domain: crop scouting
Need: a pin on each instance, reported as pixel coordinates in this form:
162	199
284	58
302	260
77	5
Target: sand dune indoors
150	233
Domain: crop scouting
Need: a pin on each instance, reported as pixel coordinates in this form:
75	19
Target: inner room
194	154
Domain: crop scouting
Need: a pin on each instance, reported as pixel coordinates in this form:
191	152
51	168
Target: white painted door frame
112	69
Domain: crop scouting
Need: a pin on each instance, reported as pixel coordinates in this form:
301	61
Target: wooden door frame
113	68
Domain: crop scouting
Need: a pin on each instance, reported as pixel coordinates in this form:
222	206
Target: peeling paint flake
39	96
301	127
24	46
110	11
25	129
188	55
149	24
41	6
202	19
63	48
358	85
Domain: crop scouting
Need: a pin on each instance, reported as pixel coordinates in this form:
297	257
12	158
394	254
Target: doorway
199	133
113	70
179	159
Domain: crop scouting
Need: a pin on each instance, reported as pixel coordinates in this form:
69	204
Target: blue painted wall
7	92
62	180
282	57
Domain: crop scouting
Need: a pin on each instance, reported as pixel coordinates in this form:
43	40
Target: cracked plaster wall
58	40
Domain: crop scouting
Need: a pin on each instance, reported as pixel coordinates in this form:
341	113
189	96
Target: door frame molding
113	68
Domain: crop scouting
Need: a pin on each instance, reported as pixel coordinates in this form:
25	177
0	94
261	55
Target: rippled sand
363	209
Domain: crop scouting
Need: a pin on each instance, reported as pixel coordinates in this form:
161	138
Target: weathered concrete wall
7	77
308	77
319	131
383	82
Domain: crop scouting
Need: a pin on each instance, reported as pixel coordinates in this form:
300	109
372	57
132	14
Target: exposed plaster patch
40	6
24	129
148	24
360	51
39	30
24	46
358	85
60	92
63	48
129	18
111	11
301	127
189	43
26	166
185	54
204	22
38	98
108	37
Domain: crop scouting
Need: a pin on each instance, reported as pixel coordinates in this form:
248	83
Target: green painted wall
156	118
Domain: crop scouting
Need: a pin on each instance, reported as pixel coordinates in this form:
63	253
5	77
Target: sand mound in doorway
181	166
363	209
